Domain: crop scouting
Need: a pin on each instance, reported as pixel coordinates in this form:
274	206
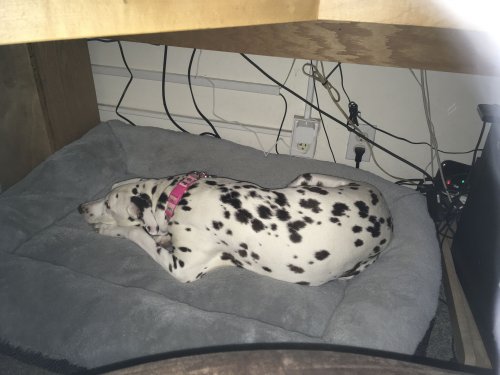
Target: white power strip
304	137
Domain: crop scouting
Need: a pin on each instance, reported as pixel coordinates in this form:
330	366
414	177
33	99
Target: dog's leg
181	264
141	238
314	179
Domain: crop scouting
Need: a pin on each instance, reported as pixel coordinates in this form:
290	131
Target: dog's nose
80	208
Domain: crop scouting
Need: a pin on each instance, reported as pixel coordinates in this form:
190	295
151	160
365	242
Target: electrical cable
323	123
342	82
331	72
432	133
478	143
413	142
163	95
126	87
282	122
355	131
216	134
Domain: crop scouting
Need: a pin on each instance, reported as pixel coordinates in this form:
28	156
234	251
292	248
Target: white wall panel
387	97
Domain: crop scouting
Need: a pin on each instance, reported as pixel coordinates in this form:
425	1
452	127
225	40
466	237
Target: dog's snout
80	209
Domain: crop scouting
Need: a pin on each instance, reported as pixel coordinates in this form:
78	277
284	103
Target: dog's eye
107	205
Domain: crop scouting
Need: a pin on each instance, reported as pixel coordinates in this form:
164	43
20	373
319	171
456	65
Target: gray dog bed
70	293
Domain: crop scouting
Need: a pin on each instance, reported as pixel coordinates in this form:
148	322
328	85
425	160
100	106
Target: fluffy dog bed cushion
69	293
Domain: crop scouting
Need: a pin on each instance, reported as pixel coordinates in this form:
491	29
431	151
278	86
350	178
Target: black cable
478	143
322	122
194	100
282	122
355	131
342	81
334	69
414	142
163	95
126	87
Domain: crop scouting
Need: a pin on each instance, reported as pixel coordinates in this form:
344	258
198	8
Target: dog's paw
163	241
106	229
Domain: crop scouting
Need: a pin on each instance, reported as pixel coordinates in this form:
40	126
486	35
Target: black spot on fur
186	208
227	214
229	232
358	242
227	256
283	215
244	245
316	189
375	199
257	225
135	191
163	198
243	216
322	254
153	190
210	182
353	271
296	225
339	209
232	199
295	237
307	176
311	204
389	223
264	212
217	225
363	209
295	269
374	230
281	199
255	256
267	269
308	220
185	249
383	241
242	253
274	226
357	229
303	283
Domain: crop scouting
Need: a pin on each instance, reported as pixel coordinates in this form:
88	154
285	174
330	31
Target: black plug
359	150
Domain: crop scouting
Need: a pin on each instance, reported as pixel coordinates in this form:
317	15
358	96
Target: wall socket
304	136
355	140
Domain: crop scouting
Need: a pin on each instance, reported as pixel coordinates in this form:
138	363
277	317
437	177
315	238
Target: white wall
387	97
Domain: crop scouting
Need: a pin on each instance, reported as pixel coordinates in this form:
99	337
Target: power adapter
489	113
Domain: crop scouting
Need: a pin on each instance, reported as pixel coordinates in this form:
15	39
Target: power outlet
304	137
355	140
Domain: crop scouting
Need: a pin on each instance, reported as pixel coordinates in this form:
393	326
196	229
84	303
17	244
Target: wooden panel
423	13
66	89
362	43
469	346
306	362
23	137
43	20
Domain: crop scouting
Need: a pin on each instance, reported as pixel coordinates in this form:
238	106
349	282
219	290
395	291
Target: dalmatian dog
316	229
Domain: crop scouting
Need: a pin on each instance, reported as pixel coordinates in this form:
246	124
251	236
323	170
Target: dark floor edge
37	359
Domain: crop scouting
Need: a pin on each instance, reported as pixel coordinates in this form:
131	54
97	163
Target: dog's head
124	207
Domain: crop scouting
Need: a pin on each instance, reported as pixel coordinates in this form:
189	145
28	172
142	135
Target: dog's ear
117	184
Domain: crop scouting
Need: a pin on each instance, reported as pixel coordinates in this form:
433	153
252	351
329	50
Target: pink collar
180	189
